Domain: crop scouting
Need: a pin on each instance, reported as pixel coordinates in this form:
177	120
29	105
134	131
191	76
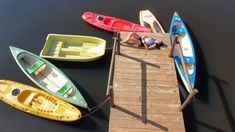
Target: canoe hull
112	24
147	19
37	102
178	27
47	76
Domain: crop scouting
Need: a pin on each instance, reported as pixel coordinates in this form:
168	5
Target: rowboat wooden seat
66	90
70	92
36	68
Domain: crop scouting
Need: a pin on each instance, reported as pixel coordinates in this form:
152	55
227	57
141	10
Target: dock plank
146	94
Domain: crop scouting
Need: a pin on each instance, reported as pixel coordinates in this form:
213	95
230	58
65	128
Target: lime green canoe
47	76
73	48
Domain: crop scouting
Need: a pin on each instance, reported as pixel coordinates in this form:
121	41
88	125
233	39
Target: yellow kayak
37	102
73	48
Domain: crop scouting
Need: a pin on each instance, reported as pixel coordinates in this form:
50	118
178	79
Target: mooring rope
95	108
109	48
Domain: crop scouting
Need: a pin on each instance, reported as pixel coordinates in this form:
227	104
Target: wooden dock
146	95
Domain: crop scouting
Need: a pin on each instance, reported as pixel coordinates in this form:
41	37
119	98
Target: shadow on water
201	78
82	124
203	92
216	129
228	111
91	103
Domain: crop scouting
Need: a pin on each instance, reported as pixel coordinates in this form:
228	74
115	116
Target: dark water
25	24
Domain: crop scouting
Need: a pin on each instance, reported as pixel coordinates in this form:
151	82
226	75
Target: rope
109	48
94	109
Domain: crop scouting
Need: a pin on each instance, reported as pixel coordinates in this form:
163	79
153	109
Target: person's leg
136	43
159	41
135	35
146	46
127	38
152	46
131	36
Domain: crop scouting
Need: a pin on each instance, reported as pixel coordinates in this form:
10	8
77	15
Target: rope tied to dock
97	107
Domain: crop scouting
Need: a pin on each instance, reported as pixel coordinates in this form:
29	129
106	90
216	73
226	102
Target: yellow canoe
37	102
73	48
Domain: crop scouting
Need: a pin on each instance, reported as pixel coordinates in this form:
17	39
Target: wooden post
184	68
109	91
118	43
173	46
188	99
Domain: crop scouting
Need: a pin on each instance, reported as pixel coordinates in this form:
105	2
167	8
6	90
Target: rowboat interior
186	49
73	48
189	66
156	27
46	75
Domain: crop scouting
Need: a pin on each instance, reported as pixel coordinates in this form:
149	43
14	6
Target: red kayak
112	24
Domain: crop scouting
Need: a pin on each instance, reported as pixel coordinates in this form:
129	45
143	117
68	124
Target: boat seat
178	30
187	59
73	50
106	21
36	68
59	45
29	99
66	90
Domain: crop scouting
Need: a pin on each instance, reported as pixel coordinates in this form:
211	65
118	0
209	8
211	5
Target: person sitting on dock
147	42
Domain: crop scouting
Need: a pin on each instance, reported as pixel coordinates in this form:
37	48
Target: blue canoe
178	27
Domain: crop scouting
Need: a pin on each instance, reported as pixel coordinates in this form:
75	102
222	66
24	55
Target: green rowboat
47	76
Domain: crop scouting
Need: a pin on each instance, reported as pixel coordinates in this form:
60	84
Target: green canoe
47	76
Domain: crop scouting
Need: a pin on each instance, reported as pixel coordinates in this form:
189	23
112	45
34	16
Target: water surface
25	24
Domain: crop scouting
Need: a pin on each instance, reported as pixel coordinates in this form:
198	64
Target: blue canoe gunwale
178	27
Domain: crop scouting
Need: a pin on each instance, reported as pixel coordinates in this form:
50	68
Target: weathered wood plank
169	83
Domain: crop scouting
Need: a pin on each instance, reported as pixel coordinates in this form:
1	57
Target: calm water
25	24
